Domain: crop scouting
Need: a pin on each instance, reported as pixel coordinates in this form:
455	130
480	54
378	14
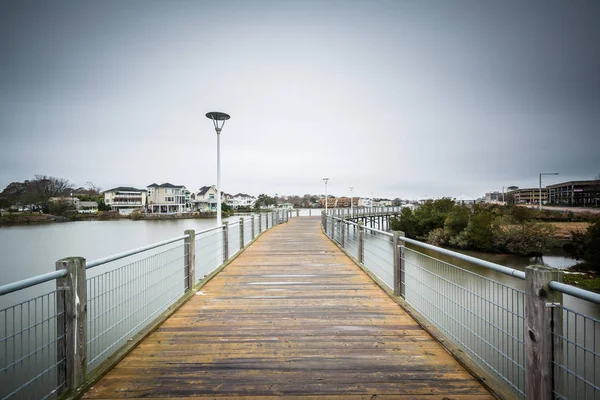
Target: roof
243	195
88	204
125	189
166	185
594	182
204	189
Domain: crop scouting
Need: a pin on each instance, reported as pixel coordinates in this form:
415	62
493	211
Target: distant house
125	199
167	198
382	203
285	206
205	198
87	207
362	202
242	200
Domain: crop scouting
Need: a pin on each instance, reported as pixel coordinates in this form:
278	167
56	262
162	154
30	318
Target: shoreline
20	219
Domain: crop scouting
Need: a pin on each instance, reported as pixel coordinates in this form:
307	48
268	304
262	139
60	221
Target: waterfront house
87	207
167	198
205	199
242	200
125	199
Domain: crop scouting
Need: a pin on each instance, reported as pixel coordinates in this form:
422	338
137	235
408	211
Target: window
211	196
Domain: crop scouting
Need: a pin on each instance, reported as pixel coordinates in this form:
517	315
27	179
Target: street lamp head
325	180
218	119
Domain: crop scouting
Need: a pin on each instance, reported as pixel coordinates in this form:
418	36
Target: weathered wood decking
291	316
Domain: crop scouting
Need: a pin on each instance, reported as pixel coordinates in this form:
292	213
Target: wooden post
399	283
252	222
342	233
539	342
361	242
190	258
259	223
297	212
71	303
225	241
241	233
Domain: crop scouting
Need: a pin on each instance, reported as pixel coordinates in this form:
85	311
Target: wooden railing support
541	322
225	241
342	233
399	284
252	222
71	324
241	233
361	242
189	244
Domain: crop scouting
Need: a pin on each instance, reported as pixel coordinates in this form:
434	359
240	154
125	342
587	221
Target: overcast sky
396	98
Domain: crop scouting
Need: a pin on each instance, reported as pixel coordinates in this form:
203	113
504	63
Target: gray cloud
397	98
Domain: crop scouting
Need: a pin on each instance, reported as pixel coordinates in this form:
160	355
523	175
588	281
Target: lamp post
351	200
544	173
325	180
218	119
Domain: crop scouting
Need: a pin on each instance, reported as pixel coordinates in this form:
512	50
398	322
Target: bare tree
93	190
42	188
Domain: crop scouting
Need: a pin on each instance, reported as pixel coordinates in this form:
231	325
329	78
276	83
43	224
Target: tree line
484	227
36	194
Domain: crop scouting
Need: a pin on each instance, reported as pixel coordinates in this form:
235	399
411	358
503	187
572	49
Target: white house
87	207
382	203
365	202
168	198
125	200
242	200
205	198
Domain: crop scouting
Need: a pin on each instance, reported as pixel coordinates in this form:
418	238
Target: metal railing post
252	222
241	233
189	245
225	241
259	223
71	325
398	263
361	242
540	323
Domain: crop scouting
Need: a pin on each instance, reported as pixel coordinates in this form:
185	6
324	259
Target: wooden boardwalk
291	316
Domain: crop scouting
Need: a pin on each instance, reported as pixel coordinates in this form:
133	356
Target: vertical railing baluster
540	343
241	225
189	245
71	303
225	241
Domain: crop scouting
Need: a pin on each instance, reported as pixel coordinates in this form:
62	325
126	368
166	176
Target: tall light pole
351	199
218	119
544	173
325	180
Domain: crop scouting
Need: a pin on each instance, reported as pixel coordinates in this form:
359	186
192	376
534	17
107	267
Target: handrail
486	264
558	286
28	282
128	253
575	291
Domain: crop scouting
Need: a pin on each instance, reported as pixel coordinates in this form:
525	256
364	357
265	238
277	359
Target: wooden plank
291	316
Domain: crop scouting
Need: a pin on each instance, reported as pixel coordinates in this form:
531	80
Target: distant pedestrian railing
514	329
62	329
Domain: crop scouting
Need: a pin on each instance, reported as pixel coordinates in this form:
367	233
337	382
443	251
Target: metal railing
504	320
61	328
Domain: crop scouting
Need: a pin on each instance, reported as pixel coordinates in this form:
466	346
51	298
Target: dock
293	316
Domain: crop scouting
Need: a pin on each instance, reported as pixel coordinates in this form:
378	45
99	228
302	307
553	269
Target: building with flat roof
575	193
526	196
